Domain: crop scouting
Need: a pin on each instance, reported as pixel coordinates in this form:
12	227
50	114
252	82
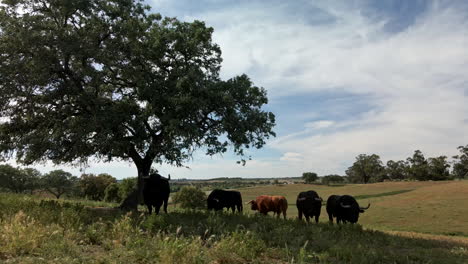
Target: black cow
344	208
309	204
219	199
156	192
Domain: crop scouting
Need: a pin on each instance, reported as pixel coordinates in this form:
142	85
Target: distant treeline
59	183
369	168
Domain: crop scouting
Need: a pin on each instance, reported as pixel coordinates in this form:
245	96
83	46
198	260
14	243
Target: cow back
156	188
219	199
267	203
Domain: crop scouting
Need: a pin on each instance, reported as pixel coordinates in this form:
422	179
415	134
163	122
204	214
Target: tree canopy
19	180
58	182
309	177
460	166
109	80
365	168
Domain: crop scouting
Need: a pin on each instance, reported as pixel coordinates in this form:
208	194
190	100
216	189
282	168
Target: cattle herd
309	204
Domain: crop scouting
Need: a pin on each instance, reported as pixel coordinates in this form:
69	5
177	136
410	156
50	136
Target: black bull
344	208
309	204
219	199
156	192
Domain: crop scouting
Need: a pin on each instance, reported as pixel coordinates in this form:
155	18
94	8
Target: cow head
253	205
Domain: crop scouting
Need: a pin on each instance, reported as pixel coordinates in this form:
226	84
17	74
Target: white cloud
291	156
319	124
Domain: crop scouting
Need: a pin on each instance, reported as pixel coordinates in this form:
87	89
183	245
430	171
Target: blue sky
343	78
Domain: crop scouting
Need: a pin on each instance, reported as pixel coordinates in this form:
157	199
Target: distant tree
31	179
365	168
460	163
328	179
309	177
19	180
8	174
397	170
58	182
93	186
190	197
438	168
108	80
418	169
111	194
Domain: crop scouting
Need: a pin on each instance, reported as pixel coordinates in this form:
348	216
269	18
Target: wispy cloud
414	79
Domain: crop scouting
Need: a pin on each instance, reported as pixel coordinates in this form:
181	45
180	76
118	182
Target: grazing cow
344	208
267	203
309	204
156	192
219	199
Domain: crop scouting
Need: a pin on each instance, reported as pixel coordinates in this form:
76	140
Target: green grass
425	207
35	231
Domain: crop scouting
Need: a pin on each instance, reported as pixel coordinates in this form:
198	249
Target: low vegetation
37	231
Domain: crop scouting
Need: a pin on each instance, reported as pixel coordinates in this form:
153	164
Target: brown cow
267	203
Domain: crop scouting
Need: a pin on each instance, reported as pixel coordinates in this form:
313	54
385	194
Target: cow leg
284	214
157	207
307	218
300	215
239	208
330	218
165	204
316	218
233	208
150	208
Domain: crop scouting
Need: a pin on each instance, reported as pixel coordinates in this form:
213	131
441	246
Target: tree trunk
143	172
130	203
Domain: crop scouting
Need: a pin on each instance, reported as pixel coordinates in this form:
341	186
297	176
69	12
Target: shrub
94	186
126	186
190	198
111	193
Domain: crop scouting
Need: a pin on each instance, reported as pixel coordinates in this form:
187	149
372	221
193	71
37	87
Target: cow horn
345	206
318	199
365	208
251	202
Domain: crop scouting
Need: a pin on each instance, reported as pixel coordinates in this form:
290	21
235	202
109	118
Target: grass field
426	207
33	230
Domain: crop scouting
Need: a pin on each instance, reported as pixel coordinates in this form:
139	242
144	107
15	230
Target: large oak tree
108	80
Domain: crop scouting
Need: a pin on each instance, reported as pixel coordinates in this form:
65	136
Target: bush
93	186
190	198
111	193
126	186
